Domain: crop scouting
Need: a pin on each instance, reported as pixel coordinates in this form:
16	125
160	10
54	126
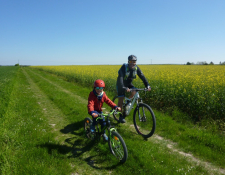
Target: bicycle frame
107	126
133	100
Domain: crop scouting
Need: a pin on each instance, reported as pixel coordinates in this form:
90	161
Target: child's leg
93	124
103	123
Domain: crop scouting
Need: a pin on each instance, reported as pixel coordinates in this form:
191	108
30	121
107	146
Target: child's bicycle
143	117
116	143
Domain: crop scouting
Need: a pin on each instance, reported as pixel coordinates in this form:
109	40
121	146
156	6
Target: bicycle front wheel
115	100
144	120
117	146
87	129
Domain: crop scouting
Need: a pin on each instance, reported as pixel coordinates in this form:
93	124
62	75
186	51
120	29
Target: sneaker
92	128
92	135
105	137
121	119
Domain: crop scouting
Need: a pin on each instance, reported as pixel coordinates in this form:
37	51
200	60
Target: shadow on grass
77	148
79	145
71	128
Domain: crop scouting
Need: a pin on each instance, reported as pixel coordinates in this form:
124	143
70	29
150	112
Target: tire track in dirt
155	138
171	145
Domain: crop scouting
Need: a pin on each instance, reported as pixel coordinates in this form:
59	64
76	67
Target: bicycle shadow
91	160
79	144
71	128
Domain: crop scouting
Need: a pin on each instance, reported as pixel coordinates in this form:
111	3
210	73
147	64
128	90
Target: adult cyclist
126	74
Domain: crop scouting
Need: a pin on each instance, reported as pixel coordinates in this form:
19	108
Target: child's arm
90	107
109	102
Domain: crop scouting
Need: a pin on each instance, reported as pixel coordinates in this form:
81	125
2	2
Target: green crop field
43	108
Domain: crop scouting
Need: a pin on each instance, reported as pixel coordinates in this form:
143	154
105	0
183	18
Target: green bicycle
116	143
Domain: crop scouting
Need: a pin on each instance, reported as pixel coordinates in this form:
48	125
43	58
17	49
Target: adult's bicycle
143	116
116	143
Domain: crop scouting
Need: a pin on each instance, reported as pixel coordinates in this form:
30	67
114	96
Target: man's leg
120	104
132	94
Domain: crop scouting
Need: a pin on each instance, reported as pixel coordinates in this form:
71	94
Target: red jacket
96	105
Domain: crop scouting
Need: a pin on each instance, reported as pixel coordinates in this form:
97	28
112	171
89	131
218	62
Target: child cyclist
95	101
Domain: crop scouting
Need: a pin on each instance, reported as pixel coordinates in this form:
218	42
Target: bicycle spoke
87	130
118	147
144	120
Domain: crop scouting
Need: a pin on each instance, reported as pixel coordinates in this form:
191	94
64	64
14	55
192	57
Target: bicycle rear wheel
115	100
144	120
117	146
87	129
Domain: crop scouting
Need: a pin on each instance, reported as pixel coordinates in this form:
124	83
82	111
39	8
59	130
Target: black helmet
132	58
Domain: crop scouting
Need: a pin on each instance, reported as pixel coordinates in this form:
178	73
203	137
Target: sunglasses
99	88
132	61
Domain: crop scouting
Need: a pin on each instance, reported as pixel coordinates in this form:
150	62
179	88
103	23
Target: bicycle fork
110	136
141	118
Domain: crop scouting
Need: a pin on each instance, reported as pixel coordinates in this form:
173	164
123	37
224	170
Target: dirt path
172	146
56	120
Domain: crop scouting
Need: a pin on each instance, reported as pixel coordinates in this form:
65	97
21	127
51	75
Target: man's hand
149	88
128	90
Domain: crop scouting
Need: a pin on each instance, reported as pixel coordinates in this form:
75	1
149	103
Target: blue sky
89	32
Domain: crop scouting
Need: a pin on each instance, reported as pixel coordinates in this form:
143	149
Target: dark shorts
121	91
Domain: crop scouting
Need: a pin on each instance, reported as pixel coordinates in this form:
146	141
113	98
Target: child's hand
94	115
118	109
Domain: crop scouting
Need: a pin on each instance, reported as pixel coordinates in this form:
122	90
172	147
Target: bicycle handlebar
102	116
141	89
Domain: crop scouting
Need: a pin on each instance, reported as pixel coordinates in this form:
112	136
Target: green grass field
41	132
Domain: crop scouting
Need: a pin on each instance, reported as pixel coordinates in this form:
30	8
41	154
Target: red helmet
99	83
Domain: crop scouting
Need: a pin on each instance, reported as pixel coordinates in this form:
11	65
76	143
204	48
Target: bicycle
116	143
143	116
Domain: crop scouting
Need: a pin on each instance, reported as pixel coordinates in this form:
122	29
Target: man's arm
120	79
142	77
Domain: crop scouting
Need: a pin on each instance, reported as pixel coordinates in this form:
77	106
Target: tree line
204	63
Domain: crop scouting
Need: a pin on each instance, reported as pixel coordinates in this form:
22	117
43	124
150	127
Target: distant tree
190	63
223	63
211	63
202	63
205	63
17	64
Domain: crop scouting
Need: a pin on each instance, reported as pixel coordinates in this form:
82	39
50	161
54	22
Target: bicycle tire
115	100
117	146
146	126
87	129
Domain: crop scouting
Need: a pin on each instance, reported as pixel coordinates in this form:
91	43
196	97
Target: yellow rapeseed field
198	90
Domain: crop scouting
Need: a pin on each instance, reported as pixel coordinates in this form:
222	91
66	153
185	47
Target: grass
24	131
42	133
